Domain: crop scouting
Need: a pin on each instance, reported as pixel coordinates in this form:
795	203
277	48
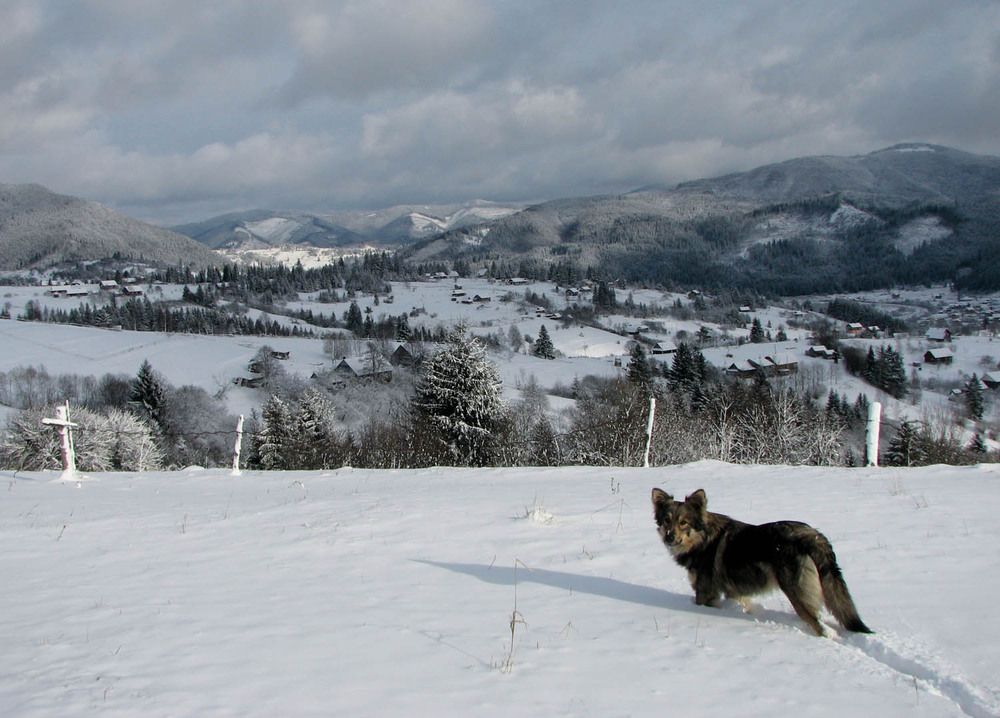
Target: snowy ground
364	593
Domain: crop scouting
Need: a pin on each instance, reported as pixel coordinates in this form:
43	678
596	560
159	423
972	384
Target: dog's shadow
572	582
613	589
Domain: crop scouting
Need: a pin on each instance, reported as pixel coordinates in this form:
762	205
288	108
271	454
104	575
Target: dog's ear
698	500
661	497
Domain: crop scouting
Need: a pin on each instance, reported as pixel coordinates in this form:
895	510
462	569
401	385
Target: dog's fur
727	557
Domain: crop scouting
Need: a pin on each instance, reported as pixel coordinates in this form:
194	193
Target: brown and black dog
726	557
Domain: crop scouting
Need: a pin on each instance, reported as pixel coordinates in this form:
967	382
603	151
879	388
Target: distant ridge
913	212
39	228
393	226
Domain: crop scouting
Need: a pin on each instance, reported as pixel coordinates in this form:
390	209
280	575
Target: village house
821	352
990	380
938	334
855	329
664	348
938	356
783	364
778	365
361	368
249	382
402	356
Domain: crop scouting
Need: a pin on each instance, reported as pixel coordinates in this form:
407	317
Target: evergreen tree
543	345
353	318
687	371
637	370
402	328
892	372
974	398
312	435
903	449
871	373
274	442
148	392
757	332
604	297
978	444
459	400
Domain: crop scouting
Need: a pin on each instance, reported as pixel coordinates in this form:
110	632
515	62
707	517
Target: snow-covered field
376	593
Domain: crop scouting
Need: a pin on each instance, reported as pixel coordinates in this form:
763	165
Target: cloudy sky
177	110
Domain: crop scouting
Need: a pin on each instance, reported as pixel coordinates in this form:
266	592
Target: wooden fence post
66	436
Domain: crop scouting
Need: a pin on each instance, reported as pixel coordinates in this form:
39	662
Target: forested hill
39	228
908	214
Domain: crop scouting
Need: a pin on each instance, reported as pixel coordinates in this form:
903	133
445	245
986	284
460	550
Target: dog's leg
804	592
745	603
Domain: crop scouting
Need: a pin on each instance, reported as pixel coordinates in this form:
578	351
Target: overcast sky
177	110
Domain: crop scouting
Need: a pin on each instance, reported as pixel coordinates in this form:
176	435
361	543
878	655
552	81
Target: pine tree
543	345
757	332
978	444
974	398
637	370
311	434
148	392
459	400
687	373
402	328
904	448
871	373
353	318
892	372
275	439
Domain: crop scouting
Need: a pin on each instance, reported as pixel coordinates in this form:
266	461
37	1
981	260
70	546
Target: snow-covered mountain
255	229
907	213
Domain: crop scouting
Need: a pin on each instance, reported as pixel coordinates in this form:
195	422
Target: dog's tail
835	594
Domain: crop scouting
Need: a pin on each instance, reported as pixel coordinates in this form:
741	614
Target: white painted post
238	446
871	445
649	430
65	433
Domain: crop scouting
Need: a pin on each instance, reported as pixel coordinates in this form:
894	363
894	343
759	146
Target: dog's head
681	525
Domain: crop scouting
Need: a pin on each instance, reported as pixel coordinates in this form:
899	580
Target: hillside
906	214
459	592
255	229
39	228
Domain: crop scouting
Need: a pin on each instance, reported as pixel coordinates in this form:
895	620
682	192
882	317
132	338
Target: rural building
402	356
821	352
360	368
938	356
249	382
938	334
664	348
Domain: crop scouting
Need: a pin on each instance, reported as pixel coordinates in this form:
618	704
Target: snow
391	593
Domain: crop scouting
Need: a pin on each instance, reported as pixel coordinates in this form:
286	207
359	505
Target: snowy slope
358	592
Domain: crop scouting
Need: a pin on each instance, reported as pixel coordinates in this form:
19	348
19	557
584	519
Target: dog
726	557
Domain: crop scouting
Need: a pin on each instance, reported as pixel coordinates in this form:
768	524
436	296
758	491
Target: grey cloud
169	107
